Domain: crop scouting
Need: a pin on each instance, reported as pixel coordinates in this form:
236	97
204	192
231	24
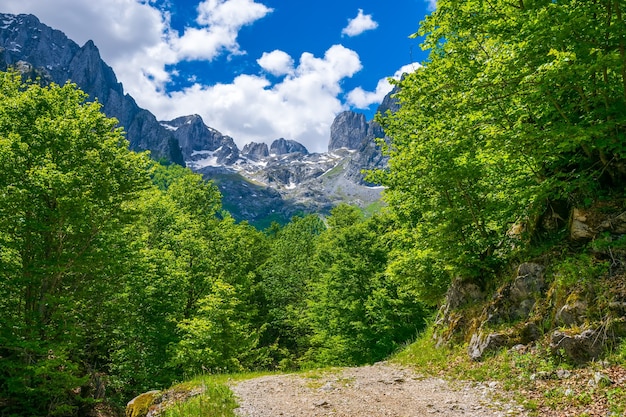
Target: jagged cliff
36	49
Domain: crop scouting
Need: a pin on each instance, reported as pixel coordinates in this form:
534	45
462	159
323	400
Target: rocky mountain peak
283	146
347	131
55	58
255	151
200	144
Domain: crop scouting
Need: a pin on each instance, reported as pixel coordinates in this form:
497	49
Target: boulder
529	333
578	348
579	228
572	314
140	405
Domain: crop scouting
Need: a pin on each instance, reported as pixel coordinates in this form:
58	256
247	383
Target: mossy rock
140	405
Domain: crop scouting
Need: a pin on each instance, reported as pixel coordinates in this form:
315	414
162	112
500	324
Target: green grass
216	401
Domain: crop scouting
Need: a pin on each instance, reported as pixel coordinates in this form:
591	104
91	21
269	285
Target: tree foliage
356	312
65	175
520	103
286	277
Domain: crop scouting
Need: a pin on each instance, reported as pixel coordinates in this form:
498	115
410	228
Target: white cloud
120	28
361	23
362	99
276	63
301	106
220	22
432	4
136	38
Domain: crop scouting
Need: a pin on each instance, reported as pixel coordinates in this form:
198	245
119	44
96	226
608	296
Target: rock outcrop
141	404
348	130
255	151
283	147
577	305
200	144
580	347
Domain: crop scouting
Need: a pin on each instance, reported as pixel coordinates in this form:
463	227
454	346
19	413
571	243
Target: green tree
520	103
224	329
65	176
356	312
286	277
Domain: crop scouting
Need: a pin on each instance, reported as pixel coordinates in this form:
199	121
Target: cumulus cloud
432	4
362	99
276	63
361	23
220	22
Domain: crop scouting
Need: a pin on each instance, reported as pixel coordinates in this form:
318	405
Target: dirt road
371	391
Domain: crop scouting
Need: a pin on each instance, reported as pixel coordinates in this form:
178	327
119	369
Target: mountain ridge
288	180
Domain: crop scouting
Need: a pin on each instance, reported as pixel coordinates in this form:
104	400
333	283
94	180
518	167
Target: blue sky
256	70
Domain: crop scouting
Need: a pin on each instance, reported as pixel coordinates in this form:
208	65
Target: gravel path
370	391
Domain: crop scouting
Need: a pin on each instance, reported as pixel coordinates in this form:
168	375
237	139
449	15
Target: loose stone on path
380	390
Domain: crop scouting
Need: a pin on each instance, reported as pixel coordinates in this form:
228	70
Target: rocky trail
371	391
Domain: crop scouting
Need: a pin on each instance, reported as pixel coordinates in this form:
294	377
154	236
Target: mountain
38	50
259	183
263	184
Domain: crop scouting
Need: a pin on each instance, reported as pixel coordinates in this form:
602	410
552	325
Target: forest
119	274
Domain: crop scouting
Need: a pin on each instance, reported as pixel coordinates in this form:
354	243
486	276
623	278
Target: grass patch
217	400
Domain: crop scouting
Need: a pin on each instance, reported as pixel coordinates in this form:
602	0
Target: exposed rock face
586	226
200	143
461	292
255	151
481	344
348	130
579	229
283	146
369	155
543	302
140	405
572	314
54	57
512	302
516	300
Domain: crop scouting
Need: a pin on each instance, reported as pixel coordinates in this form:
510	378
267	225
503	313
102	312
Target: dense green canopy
521	104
